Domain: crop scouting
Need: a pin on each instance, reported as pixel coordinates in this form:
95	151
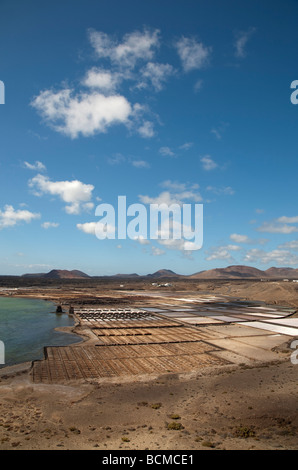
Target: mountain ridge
229	272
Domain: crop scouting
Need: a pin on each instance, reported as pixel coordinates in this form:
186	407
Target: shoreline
250	403
8	369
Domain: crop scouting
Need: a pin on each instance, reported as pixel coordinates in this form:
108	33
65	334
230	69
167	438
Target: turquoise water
27	325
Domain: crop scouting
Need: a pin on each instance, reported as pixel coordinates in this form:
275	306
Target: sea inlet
27	325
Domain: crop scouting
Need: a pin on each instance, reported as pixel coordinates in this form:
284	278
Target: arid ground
240	392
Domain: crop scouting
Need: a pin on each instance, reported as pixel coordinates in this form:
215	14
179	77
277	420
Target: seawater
27	325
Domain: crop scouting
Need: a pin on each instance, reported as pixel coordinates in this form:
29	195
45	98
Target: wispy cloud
186	146
157	251
235	237
156	75
37	166
146	130
134	47
193	54
140	164
219	130
166	152
279	226
238	238
226	190
208	163
198	85
118	159
292	245
179	194
275	257
179	187
241	41
47	225
222	253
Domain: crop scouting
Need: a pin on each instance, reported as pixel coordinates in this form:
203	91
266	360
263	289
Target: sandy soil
231	408
107	292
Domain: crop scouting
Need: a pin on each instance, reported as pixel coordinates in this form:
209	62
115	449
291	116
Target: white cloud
91	228
166	197
216	133
47	225
235	237
10	217
275	227
193	54
186	146
288	220
146	130
220	130
277	257
221	191
134	47
233	247
103	80
75	193
156	74
116	159
37	166
293	245
222	253
157	251
143	241
198	85
97	104
208	163
85	113
219	253
140	164
176	186
34	266
76	208
241	41
88	227
183	245
166	152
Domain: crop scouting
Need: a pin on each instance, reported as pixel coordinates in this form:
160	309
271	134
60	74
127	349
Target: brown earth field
245	402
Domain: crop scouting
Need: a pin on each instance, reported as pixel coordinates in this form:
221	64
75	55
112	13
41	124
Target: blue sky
173	101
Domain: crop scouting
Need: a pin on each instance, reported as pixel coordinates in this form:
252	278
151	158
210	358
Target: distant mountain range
246	272
60	274
230	272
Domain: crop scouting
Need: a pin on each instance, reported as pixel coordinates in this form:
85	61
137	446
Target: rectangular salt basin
286	321
283	330
151	309
270	315
227	319
177	314
202	321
